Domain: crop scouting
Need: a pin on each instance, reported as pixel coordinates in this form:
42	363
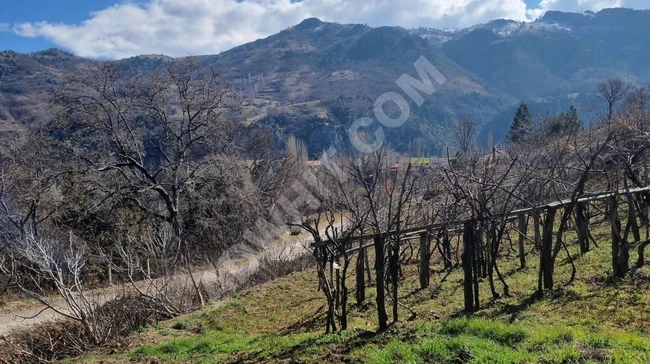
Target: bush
68	338
270	266
45	342
124	315
180	325
273	266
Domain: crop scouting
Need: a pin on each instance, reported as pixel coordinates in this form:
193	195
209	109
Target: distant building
429	162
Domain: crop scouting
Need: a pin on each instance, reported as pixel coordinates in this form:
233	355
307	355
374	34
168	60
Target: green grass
500	332
591	320
215	345
472	340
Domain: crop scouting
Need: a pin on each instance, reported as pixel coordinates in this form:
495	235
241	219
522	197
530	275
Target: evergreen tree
557	125
566	123
521	125
572	123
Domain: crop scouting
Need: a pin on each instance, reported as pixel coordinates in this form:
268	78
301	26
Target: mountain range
314	79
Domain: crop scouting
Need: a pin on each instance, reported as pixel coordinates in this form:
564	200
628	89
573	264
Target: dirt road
24	313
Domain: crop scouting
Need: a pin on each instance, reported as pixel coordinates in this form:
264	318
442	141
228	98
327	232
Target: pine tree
558	125
521	125
566	123
572	123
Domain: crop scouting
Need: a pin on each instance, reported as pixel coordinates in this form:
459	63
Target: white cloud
583	5
190	27
184	27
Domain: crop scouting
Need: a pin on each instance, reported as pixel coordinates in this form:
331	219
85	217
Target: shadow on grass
518	269
317	320
342	345
559	296
565	261
515	310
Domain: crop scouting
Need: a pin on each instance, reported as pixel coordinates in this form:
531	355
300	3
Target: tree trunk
360	275
322	258
425	252
482	261
344	295
468	258
620	249
368	273
538	246
381	294
546	256
338	287
446	249
522	236
631	217
582	228
475	263
641	261
489	250
394	274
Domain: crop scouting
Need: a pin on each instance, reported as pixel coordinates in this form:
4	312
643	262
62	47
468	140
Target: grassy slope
590	320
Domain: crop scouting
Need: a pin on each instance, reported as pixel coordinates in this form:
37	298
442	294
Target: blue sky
122	28
56	11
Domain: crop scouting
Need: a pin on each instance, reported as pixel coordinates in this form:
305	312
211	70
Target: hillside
592	320
559	53
26	81
315	78
171	210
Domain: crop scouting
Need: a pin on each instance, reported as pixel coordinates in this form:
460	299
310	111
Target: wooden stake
522	237
425	249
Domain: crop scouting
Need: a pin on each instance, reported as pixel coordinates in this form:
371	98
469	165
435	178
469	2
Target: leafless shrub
45	343
122	316
39	264
125	314
67	338
149	261
271	265
278	264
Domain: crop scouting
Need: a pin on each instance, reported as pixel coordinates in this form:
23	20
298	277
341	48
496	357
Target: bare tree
30	188
273	169
389	194
152	141
148	259
490	189
40	264
612	91
324	219
464	133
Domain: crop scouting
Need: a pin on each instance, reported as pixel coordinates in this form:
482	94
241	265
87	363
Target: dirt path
24	313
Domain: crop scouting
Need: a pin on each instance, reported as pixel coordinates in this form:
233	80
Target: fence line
510	216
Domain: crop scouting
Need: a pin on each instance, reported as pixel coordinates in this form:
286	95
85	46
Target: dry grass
591	320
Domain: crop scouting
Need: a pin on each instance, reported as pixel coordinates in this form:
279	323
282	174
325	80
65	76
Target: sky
113	29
